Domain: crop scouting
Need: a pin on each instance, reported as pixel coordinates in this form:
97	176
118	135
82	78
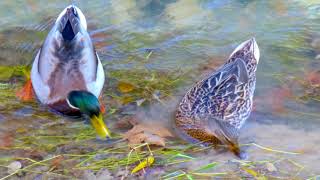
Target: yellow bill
101	128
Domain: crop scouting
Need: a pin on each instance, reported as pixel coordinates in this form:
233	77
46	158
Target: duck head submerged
67	60
67	74
89	105
215	108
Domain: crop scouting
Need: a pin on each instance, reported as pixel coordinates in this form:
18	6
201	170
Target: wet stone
14	166
24	112
2	118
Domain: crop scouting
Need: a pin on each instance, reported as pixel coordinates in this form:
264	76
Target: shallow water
184	39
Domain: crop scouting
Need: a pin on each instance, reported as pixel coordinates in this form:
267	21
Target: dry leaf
125	87
147	162
313	77
21	130
250	171
150	133
278	97
102	106
26	92
126	100
56	163
6	140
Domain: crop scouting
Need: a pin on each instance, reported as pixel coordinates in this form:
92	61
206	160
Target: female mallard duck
67	74
215	108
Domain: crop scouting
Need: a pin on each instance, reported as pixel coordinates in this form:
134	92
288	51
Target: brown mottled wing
218	94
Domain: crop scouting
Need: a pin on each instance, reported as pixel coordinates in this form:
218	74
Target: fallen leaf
102	106
56	163
126	100
6	140
126	122
26	92
143	164
250	171
21	130
149	133
278	96
36	155
125	87
313	77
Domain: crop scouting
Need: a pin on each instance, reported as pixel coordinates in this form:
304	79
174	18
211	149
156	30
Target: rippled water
189	38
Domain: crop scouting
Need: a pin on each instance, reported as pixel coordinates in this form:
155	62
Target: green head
88	104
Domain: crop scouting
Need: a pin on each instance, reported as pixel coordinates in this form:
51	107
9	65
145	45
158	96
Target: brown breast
65	78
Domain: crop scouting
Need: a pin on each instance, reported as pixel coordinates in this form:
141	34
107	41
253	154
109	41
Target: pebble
104	174
14	166
315	43
24	112
139	102
88	174
271	167
2	118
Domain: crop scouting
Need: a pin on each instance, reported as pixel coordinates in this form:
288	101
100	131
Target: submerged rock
24	112
14	166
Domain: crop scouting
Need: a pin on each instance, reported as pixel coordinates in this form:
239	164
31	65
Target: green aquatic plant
141	84
74	148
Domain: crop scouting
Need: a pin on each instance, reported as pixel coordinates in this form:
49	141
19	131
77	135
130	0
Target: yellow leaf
250	171
125	87
147	162
151	133
126	100
21	130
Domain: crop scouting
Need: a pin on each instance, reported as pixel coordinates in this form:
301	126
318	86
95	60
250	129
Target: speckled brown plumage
216	108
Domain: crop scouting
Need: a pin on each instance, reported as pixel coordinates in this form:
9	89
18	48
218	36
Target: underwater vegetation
151	59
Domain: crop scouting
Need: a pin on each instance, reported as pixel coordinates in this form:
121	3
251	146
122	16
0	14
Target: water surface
184	40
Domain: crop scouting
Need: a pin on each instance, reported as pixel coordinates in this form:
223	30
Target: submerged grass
143	86
68	149
62	148
78	151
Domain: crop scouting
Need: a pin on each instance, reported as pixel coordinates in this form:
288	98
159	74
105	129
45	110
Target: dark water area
162	48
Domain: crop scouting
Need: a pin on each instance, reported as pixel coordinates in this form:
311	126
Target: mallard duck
214	110
67	74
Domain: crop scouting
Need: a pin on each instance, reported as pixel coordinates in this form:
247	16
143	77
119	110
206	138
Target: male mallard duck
67	74
214	110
